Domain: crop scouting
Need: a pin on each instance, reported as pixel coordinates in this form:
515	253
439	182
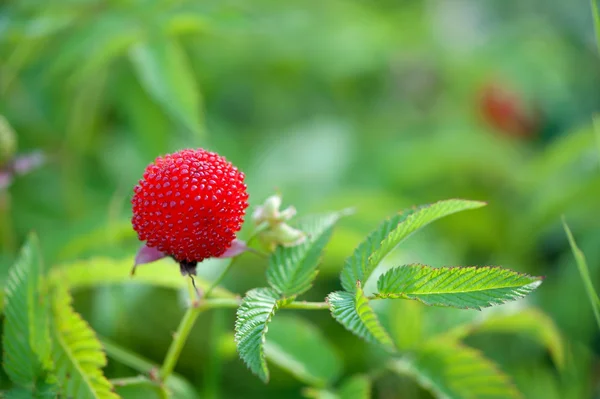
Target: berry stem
179	339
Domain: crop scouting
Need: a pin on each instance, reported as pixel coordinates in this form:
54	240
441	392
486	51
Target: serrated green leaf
77	352
584	272
451	370
300	348
102	271
459	287
357	267
529	322
26	339
165	73
42	390
390	233
253	316
292	270
352	310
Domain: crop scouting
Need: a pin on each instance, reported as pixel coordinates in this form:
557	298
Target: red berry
506	110
190	205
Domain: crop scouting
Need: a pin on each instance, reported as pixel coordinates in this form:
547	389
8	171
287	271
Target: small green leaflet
253	315
392	232
297	346
352	310
451	370
26	339
292	270
77	352
165	73
459	287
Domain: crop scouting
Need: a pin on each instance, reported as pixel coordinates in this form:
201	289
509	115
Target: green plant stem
192	313
121	382
179	340
307	305
126	357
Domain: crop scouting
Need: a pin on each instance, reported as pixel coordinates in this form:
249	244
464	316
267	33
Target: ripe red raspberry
189	205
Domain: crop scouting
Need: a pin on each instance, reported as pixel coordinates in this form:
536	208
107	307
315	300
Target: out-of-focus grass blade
596	126
165	72
596	16
585	273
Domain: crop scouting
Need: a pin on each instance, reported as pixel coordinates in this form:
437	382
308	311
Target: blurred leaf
42	390
26	338
453	371
352	310
584	272
253	315
77	352
355	387
292	270
176	384
382	241
97	239
300	348
139	388
95	45
530	322
459	287
165	73
101	271
406	323
596	16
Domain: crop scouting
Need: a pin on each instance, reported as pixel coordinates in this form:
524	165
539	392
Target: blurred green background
376	105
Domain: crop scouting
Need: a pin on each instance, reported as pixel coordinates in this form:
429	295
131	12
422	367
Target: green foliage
101	271
459	287
292	270
300	348
453	371
77	352
253	315
358	266
165	73
584	272
528	322
391	233
26	339
355	387
352	310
